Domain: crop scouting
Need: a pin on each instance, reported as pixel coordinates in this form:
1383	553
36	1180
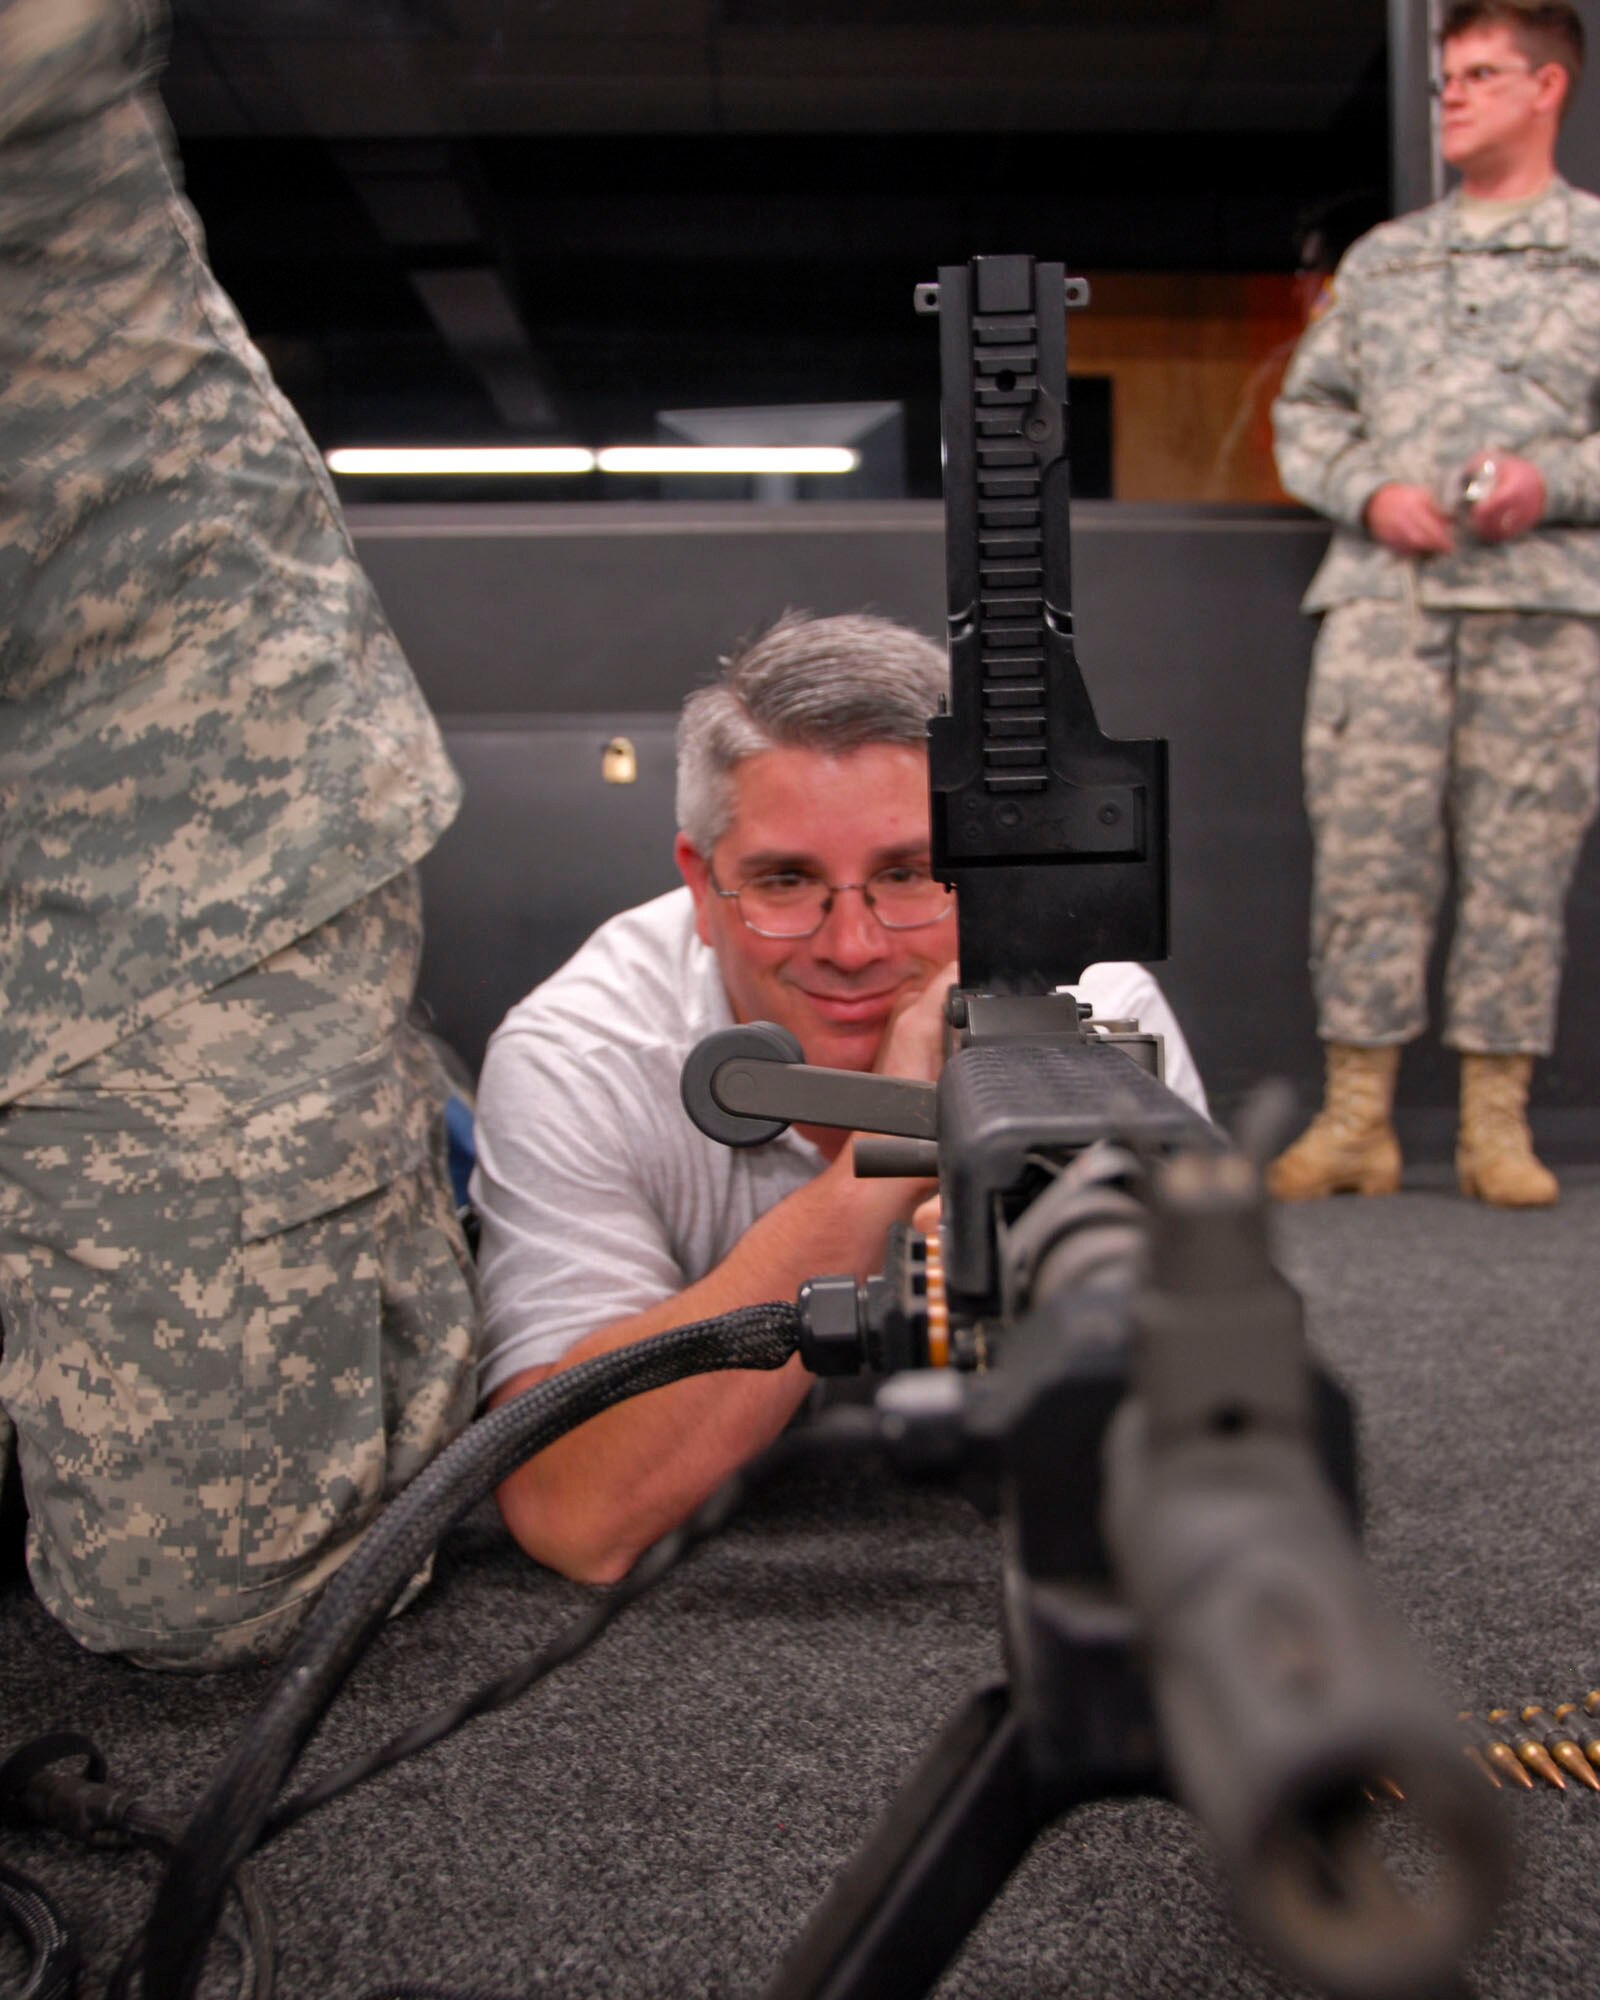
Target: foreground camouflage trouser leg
1377	749
237	1305
1522	795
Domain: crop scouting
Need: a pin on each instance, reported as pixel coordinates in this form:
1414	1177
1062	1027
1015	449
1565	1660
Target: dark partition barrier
541	632
545	847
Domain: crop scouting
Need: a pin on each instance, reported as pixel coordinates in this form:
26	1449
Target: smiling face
841	819
1501	131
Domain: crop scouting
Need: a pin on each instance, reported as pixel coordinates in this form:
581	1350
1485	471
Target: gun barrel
1288	1697
1285	1693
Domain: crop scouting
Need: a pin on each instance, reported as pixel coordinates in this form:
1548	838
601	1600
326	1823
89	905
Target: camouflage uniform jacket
210	741
1438	346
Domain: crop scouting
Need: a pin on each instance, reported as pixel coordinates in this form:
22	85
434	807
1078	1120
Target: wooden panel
1194	363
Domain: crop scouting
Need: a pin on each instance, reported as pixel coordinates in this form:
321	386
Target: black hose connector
227	1822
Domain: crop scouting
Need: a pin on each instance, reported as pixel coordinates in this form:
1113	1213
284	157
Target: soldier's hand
913	1041
1409	520
1513	505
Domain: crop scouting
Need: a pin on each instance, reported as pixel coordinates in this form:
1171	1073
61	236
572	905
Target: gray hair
829	684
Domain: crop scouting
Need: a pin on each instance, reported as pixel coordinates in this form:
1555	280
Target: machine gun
1100	1329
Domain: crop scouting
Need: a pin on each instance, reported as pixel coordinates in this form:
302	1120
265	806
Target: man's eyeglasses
787	903
1478	76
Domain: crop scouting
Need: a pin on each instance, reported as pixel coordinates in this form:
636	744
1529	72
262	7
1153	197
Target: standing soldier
234	1303
1442	414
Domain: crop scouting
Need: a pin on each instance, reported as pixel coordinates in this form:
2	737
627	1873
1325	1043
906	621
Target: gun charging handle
745	1085
1282	1685
721	1079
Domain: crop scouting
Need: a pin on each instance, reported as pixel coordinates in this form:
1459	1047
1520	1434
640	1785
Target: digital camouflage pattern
1440	344
1445	692
1487	724
238	1313
234	1302
209	739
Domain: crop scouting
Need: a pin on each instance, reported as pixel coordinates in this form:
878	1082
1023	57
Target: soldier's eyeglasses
788	903
1478	76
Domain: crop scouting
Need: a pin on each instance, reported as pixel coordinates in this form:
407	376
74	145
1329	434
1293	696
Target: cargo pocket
316	1170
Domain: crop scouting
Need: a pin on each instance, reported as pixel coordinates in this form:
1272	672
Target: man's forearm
592	1503
1325	460
1320	445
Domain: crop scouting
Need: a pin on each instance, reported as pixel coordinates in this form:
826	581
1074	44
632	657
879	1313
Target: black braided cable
652	1566
846	1428
256	1939
225	1824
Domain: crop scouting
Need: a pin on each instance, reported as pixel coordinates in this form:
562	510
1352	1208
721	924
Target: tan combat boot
1494	1154
1349	1147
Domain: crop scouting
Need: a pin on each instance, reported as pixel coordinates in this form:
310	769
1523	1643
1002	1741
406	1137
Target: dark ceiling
341	69
475	220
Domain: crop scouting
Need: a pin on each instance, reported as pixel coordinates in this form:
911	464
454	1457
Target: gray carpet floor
660	1818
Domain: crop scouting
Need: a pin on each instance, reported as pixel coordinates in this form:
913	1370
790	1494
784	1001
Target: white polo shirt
598	1196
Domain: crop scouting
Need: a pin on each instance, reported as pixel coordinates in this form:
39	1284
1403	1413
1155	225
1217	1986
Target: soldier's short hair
1546	31
829	684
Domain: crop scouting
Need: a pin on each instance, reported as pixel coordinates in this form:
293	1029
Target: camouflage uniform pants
238	1312
1428	732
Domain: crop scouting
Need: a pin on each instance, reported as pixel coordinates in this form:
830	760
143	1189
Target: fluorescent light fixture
449	461
736	458
412	461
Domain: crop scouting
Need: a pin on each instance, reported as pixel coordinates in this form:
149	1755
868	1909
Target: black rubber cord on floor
227	1822
52	1951
39	1786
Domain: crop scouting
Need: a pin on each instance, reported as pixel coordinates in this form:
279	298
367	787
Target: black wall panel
544	848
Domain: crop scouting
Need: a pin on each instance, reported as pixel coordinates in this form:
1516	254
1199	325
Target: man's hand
1410	521
913	1040
1513	505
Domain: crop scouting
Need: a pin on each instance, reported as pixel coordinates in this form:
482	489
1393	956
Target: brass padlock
619	762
